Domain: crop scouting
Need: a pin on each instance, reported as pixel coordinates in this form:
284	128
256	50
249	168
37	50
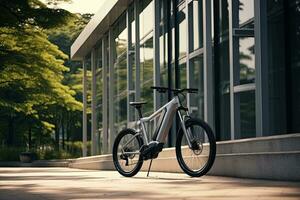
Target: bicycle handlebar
176	91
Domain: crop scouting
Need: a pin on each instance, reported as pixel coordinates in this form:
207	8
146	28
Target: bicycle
195	139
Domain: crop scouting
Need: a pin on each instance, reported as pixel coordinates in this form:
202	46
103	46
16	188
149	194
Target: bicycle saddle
137	104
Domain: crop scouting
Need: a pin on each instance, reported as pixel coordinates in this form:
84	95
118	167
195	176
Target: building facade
242	55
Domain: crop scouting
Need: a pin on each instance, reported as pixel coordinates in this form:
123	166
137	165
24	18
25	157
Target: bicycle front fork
186	132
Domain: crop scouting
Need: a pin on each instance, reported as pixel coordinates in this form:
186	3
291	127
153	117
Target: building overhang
97	27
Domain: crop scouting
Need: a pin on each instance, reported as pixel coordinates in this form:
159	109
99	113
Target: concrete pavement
66	183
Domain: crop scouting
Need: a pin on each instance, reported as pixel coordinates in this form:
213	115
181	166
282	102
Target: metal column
104	96
208	65
84	116
111	89
156	67
137	52
94	131
189	40
129	65
261	68
234	74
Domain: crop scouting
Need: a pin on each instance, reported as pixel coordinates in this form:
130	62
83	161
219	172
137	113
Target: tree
31	70
69	121
19	13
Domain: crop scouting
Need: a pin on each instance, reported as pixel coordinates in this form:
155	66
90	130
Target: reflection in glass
120	75
99	94
132	87
246	11
121	42
120	94
163	51
221	68
132	23
146	68
98	59
146	17
196	81
284	68
197	28
99	85
277	67
247	60
247	114
293	64
181	17
182	76
107	89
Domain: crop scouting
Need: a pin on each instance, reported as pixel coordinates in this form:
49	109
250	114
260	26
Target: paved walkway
65	183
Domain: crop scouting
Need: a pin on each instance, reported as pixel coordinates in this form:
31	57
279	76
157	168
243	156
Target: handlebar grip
160	89
192	90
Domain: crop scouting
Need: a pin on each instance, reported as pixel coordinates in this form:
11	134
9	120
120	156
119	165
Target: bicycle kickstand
149	167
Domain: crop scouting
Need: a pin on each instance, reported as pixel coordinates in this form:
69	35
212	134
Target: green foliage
53	154
13	153
75	148
40	93
20	13
35	78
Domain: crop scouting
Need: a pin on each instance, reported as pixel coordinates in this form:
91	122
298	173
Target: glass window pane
247	114
197	24
121	42
182	76
146	68
277	66
284	69
247	60
221	66
120	75
246	11
146	17
107	89
99	89
163	52
196	81
120	94
99	86
181	17
293	64
132	22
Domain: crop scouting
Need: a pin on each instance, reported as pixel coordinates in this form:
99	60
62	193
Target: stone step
273	157
279	143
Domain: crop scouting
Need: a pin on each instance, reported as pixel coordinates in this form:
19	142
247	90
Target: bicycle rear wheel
198	160
126	153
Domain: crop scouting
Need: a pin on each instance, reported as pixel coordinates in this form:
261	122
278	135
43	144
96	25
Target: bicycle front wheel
126	153
197	160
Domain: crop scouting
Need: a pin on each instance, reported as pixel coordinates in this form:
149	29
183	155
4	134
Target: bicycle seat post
139	109
138	106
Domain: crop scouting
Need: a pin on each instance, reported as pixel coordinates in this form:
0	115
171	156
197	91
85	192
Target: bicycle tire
117	165
212	148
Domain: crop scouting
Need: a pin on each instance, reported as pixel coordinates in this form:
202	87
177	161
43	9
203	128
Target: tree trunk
11	132
68	132
29	139
56	137
63	135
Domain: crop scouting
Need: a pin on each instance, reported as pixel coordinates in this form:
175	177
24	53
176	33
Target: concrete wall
274	157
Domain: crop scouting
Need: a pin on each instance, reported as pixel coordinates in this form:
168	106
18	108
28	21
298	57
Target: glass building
242	55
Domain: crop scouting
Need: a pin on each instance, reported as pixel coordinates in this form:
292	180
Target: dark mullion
176	45
288	80
216	44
